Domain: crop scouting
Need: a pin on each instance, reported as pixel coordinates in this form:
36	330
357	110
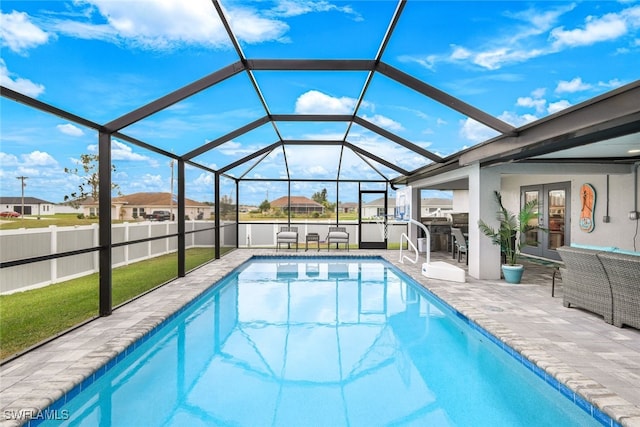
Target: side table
311	237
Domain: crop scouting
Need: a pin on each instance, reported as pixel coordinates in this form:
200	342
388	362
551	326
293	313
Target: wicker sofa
584	282
604	282
623	271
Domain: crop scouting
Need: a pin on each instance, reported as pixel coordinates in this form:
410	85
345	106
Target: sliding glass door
553	215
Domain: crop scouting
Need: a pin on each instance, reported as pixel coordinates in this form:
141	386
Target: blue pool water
320	342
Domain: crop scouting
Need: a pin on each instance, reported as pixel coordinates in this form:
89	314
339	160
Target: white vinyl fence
29	243
34	242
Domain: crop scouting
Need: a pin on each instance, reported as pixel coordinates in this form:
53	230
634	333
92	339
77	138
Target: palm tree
510	225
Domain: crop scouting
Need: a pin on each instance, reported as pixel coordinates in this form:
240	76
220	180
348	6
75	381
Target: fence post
96	242
126	239
53	230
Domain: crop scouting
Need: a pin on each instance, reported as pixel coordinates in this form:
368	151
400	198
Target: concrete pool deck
598	361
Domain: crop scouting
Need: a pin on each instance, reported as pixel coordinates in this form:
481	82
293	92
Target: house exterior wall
619	232
30	208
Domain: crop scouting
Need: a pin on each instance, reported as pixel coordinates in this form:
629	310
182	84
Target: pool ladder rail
404	237
436	270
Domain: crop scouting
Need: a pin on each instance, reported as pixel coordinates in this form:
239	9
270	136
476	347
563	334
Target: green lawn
29	317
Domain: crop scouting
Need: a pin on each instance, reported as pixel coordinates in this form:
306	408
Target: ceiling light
633	151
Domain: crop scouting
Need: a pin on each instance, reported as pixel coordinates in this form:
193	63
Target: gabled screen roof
395	85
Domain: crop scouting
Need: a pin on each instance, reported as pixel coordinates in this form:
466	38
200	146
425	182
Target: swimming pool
319	341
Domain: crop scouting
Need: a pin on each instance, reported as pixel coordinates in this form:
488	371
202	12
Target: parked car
159	216
9	214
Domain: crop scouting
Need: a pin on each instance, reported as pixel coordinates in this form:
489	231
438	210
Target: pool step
443	271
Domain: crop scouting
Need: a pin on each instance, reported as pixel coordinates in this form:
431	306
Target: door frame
362	244
542	249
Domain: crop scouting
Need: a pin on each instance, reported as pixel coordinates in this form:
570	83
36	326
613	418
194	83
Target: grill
439	229
460	220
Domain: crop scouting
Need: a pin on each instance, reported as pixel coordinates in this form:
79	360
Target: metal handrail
415	250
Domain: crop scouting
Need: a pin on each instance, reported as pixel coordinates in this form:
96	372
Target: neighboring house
139	205
32	205
428	207
298	205
375	208
348	207
435	206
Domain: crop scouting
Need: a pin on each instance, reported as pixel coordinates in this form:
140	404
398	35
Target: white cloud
233	148
123	152
19	34
315	102
539	93
288	8
70	129
554	107
535	36
384	122
575	85
7	160
460	53
37	158
155	182
517	120
597	29
167	24
475	131
611	84
206	180
24	86
529	102
496	58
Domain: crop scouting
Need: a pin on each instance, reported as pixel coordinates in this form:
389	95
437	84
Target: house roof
153	199
298	201
27	201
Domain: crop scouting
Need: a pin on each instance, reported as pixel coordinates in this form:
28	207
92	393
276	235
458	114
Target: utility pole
22	185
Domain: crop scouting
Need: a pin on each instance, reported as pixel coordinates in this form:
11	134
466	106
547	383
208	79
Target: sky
519	61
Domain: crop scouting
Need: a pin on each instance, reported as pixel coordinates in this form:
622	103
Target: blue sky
516	60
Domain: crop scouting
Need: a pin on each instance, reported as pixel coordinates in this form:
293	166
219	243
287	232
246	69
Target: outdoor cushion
287	235
338	235
594	247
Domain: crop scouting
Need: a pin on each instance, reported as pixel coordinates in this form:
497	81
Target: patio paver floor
598	360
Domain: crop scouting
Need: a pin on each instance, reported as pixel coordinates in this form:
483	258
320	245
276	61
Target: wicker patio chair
287	235
585	283
338	235
624	275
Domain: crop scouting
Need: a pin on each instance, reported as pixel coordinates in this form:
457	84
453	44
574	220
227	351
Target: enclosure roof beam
145	145
228	137
251	156
378	58
47	108
446	99
311	142
376	158
398	140
310	64
175	97
311	117
243	59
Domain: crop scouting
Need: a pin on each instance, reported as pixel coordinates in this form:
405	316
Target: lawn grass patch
27	318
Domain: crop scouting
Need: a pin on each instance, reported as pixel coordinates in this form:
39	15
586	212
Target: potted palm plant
511	235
